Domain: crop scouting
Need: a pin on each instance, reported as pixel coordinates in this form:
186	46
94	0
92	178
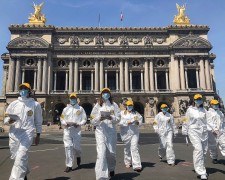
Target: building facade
150	65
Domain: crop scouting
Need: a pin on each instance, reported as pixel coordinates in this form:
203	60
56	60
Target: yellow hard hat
26	85
73	95
197	96
214	102
105	89
129	103
163	106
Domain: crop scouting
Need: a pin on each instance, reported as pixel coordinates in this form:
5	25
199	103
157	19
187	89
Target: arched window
29	62
135	63
111	63
190	61
86	63
160	63
61	63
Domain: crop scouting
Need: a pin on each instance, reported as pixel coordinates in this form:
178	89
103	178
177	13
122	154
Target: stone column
126	76
117	80
71	76
23	75
152	88
11	76
80	80
174	74
156	84
39	77
4	79
197	78
92	79
121	76
146	76
131	84
167	80
44	75
76	75
96	76
207	74
142	84
66	83
50	74
101	75
182	78
186	79
202	74
35	79
55	80
106	83
18	75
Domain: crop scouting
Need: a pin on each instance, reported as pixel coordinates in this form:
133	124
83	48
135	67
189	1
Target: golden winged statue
181	18
37	17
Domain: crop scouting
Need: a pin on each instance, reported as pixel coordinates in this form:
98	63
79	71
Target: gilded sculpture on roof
181	18
37	17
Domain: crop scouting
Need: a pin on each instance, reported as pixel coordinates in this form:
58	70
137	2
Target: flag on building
121	16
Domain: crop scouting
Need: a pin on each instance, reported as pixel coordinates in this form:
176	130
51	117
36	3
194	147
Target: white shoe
204	177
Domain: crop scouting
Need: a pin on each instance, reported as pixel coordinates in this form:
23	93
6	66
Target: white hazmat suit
106	138
195	126
130	136
165	127
22	132
72	115
216	132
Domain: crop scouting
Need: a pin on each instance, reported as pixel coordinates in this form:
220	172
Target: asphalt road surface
47	160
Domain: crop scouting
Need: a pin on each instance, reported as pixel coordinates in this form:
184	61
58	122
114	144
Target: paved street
47	160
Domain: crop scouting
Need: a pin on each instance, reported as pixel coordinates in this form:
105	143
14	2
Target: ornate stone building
150	65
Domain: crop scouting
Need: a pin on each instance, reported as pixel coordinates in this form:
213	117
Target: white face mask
73	101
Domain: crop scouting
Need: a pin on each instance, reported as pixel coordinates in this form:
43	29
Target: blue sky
137	13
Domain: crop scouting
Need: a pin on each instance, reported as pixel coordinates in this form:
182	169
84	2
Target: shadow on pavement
214	170
59	178
221	161
85	166
177	161
147	164
125	176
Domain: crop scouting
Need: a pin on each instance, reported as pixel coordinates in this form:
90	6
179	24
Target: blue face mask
73	101
105	96
165	110
215	106
24	93
199	102
130	108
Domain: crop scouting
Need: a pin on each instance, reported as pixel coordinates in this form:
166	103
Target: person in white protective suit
129	123
24	116
216	131
165	127
72	118
105	115
195	127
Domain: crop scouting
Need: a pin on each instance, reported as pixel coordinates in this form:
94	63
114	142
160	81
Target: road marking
44	150
35	167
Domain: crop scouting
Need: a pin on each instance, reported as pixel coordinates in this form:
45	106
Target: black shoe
112	173
68	169
25	178
214	161
137	169
78	161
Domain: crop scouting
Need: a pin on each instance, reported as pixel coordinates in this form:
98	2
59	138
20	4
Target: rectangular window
111	80
61	80
86	80
192	81
29	77
161	79
136	80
